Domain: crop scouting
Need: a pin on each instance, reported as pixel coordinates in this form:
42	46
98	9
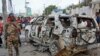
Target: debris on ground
71	51
90	50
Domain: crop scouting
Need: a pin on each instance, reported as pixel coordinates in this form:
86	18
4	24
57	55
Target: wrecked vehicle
28	28
87	28
75	30
57	31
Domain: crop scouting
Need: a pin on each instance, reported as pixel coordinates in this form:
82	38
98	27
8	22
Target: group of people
22	20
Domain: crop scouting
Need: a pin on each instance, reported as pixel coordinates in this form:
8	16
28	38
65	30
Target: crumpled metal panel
87	35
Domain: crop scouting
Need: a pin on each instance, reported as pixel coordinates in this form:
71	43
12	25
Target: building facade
95	6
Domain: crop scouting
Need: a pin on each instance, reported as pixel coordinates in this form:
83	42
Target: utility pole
10	6
44	9
25	9
4	14
79	7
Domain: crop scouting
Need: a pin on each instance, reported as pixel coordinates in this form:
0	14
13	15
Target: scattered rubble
89	50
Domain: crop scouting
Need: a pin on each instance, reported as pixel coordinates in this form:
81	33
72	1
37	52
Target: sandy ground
28	50
93	52
25	50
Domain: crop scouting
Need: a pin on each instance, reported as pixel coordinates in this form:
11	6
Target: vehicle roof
61	15
64	15
84	16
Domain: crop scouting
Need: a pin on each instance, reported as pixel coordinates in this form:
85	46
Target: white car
30	26
57	31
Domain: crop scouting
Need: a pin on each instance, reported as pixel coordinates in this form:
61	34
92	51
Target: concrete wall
95	6
86	9
89	11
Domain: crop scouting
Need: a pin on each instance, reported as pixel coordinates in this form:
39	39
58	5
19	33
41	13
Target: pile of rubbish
73	50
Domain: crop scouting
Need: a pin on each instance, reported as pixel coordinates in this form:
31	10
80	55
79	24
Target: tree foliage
86	2
64	10
49	9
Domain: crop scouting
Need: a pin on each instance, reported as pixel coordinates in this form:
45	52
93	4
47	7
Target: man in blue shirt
98	18
98	21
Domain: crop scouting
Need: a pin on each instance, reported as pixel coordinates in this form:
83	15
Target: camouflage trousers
12	43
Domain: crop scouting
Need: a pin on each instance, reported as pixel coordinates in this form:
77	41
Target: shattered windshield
65	21
50	22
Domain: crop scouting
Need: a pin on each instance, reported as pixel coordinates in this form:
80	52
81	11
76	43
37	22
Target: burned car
57	31
86	28
75	30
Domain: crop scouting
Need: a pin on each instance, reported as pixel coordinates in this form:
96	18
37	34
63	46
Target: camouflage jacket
11	28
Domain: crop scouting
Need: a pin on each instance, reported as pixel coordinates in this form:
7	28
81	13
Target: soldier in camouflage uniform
12	38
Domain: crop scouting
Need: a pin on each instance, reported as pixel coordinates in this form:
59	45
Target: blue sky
38	5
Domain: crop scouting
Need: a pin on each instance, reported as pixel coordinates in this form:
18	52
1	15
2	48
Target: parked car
55	32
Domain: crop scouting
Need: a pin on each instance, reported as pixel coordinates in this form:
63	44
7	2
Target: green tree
64	11
86	2
49	9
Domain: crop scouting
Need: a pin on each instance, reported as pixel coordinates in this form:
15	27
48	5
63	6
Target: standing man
11	35
98	21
